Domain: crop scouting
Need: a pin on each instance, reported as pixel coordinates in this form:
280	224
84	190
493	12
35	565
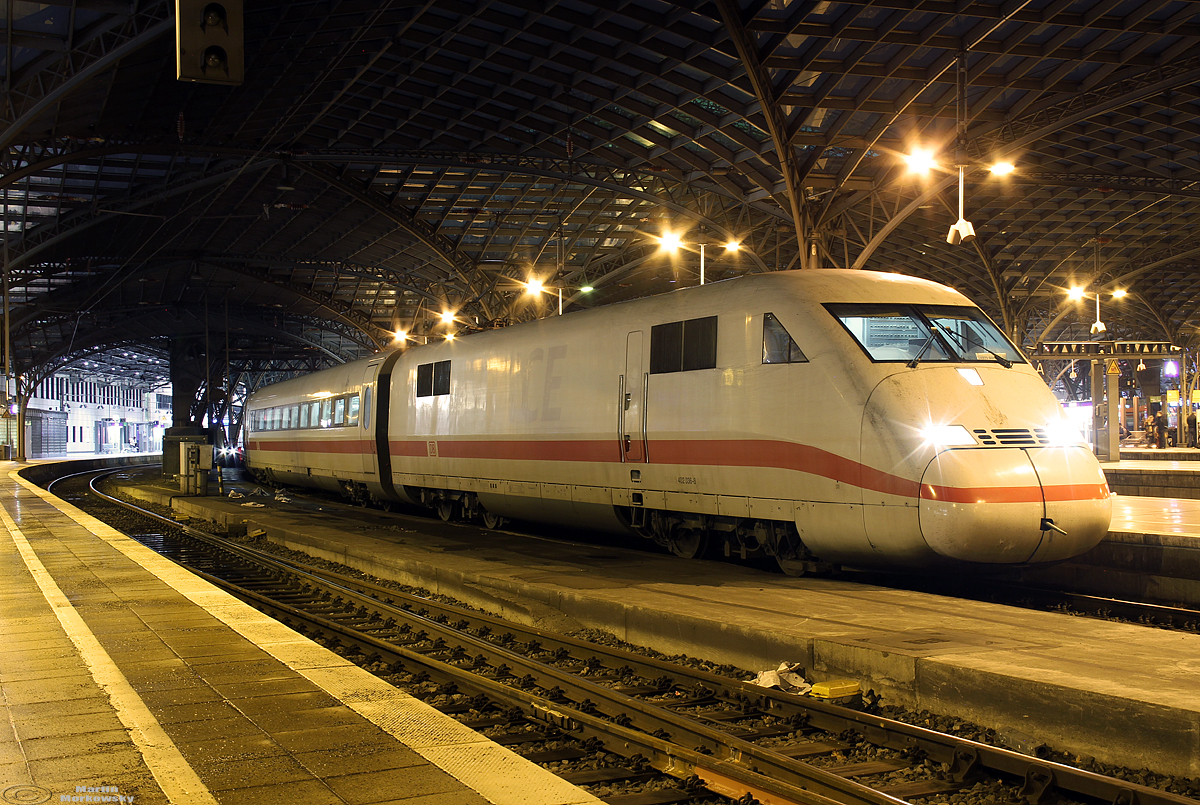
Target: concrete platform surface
1122	693
1160	474
127	679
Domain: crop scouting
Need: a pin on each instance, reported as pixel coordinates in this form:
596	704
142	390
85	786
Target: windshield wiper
917	358
966	341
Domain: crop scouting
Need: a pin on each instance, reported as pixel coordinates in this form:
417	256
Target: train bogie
850	417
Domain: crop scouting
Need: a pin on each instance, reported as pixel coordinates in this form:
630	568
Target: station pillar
1106	409
189	368
1112	378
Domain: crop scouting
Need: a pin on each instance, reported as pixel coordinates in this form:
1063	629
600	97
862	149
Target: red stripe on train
719	453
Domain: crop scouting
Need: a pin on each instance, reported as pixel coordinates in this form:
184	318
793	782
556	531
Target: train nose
1013	506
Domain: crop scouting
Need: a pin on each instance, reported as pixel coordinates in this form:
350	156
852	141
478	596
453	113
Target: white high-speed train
821	416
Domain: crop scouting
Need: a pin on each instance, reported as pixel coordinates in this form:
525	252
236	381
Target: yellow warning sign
1113	368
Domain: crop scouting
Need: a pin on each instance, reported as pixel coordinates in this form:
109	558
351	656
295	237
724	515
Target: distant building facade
74	414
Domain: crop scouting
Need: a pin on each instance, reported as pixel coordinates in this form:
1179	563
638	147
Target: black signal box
209	41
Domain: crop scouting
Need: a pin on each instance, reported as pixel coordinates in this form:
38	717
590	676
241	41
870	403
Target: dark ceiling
385	161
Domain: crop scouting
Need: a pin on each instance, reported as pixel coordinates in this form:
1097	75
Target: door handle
628	400
628	442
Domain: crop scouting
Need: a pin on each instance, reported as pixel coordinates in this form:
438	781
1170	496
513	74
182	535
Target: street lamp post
672	242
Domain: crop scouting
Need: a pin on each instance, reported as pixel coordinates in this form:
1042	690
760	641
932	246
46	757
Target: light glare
947	436
1002	168
920	161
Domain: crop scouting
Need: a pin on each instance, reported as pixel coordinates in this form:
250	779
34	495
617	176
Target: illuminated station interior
351	182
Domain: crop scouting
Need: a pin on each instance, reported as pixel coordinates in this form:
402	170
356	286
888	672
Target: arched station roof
384	161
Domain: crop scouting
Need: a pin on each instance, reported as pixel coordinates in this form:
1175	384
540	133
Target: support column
1099	436
1115	412
189	368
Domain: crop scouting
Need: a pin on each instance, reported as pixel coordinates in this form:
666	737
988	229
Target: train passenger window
433	379
778	344
352	410
441	378
339	412
683	346
326	413
314	415
366	407
294	416
425	380
287	418
304	415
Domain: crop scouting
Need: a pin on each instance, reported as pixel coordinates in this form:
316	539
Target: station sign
1090	350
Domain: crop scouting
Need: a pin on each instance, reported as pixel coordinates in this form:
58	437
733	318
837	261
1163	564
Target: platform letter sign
209	43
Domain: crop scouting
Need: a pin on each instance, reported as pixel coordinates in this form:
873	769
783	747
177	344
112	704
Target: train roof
813	285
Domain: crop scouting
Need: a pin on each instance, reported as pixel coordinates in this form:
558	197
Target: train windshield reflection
926	333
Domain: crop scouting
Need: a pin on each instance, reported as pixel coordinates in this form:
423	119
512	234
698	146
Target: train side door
632	413
366	420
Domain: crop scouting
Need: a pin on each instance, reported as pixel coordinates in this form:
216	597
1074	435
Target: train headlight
947	436
1062	433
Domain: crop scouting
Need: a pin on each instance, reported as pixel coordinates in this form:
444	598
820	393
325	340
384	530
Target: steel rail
726	775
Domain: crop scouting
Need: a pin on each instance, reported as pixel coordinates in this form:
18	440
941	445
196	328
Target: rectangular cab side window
666	348
700	344
683	346
425	380
441	378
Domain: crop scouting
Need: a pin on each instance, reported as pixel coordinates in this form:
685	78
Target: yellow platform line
175	777
496	773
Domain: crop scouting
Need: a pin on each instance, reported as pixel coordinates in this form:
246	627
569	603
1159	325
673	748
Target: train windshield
926	333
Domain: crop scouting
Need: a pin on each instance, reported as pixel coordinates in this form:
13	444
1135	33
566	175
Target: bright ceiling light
1075	293
732	246
1119	293
671	241
1002	168
920	161
400	335
534	287
447	316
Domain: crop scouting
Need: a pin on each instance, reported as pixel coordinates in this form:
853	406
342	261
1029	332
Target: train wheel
688	542
492	521
446	509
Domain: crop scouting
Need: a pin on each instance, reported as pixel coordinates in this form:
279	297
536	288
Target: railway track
574	705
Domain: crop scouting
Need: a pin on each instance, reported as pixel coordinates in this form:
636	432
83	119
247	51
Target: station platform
1118	692
127	679
1170	473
